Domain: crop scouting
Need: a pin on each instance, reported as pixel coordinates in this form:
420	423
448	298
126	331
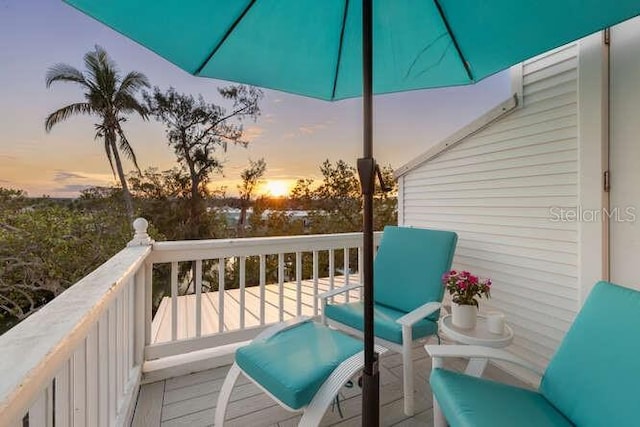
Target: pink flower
466	287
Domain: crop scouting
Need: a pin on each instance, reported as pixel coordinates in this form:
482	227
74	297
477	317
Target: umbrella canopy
337	49
313	47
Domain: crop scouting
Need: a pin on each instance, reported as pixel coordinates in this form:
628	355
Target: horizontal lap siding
496	189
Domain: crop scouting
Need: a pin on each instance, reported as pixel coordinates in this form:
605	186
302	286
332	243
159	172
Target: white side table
479	335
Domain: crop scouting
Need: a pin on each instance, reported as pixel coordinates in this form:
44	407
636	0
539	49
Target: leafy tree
251	178
196	130
385	203
339	195
47	246
109	97
335	204
163	197
303	195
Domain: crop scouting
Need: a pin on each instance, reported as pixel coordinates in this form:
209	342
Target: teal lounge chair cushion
469	401
409	265
384	325
594	377
293	364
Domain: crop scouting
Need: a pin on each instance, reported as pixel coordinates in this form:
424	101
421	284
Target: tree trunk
242	220
196	201
128	202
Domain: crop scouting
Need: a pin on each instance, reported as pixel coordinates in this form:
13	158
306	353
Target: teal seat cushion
594	377
293	364
469	401
409	265
384	323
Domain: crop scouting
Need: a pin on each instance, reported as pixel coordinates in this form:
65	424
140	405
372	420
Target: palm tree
108	97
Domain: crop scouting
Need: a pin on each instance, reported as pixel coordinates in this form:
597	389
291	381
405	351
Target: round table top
479	335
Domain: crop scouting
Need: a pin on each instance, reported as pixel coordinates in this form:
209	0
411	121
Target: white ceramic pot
464	316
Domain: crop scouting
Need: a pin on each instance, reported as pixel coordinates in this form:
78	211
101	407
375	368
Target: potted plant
465	289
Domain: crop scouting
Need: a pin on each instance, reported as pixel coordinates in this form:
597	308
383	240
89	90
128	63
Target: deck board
149	405
190	400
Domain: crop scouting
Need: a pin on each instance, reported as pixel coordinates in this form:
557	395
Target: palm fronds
66	112
65	73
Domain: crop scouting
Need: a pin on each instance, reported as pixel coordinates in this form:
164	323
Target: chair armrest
438	352
338	291
419	313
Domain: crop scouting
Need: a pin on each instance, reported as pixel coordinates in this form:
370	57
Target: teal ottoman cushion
384	323
469	401
293	364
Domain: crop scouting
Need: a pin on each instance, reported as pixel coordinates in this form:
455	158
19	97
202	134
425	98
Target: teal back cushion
409	265
594	377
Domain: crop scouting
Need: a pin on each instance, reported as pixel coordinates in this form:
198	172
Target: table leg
476	366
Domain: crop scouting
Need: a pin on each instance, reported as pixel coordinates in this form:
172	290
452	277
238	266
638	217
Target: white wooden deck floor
161	325
191	399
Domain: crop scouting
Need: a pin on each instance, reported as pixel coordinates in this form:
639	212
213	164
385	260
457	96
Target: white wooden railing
303	251
80	359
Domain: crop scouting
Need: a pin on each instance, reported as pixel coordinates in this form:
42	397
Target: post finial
140	237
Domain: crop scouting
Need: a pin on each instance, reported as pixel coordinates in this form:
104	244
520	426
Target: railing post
143	292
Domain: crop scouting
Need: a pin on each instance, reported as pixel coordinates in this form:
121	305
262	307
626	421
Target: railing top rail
187	250
33	350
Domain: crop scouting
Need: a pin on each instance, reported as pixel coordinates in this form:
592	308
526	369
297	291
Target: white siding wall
496	188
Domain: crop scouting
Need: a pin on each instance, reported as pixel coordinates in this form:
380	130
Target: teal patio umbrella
337	49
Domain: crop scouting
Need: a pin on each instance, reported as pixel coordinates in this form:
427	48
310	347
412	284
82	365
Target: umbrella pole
366	171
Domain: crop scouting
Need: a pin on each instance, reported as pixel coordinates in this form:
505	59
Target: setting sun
276	188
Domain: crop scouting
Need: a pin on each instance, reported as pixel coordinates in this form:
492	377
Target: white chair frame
315	410
407	321
440	352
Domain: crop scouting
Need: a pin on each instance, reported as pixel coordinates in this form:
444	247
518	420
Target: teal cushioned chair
408	290
593	380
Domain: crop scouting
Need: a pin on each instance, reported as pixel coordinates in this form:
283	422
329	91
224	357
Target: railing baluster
41	412
92	377
345	266
79	386
281	286
111	350
148	298
263	275
127	331
332	269
103	370
119	348
199	298
243	279
298	284
174	301
360	267
63	396
221	270
138	318
315	283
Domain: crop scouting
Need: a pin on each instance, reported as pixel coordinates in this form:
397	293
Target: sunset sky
294	134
